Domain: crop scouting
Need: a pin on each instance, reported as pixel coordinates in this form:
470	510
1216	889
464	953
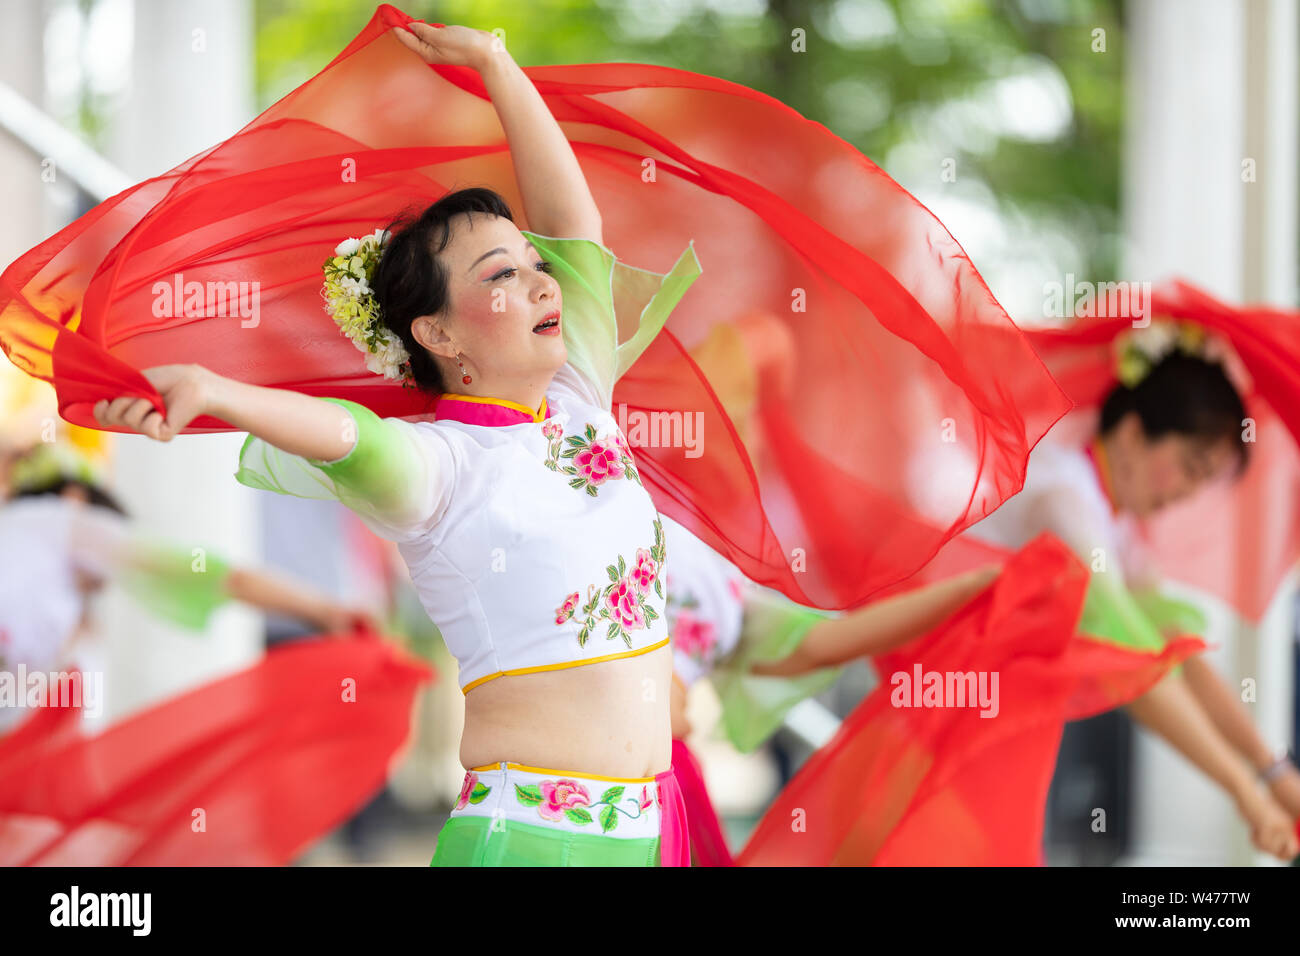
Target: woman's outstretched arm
298	424
556	199
882	626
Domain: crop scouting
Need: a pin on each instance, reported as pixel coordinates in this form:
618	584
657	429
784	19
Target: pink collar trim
478	410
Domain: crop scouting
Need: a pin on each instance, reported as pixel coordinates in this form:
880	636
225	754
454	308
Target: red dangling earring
464	376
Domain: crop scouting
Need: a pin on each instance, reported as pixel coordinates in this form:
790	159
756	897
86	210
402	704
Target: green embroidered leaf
658	590
576	482
578	816
582	636
479	793
622	566
576	442
591	432
614	630
627	639
650	613
612	572
570	453
591	490
611	795
529	796
608	819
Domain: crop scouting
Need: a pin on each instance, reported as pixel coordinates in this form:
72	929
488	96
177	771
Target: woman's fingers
136	412
183	405
416	37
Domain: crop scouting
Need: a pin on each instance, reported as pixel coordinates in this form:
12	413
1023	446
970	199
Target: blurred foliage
885	75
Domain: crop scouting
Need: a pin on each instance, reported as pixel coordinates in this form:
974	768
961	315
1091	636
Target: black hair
95	495
1184	395
410	281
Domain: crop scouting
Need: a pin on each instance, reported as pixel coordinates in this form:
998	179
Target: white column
22	192
1211	84
191	86
1269	255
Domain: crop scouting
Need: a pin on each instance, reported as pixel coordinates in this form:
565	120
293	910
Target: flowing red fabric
1237	540
943	785
708	844
901	359
274	757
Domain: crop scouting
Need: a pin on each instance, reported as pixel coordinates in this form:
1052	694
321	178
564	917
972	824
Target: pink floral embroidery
565	610
692	635
466	788
598	462
625	603
552	429
592	461
644	571
560	796
645	798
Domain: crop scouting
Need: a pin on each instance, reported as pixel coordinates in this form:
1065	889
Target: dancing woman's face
1148	474
499	292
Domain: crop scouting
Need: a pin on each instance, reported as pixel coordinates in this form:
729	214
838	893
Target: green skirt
472	841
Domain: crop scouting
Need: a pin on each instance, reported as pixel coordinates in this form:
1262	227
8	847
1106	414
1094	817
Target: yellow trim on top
538	416
1103	469
563	666
561	773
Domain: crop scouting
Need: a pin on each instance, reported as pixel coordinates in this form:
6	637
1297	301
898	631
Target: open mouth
548	325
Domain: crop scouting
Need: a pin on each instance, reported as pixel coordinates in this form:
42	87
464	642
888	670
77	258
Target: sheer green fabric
393	478
754	705
472	841
1111	612
1170	614
175	584
612	311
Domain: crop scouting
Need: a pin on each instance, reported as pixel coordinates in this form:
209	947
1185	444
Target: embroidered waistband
622	807
564	665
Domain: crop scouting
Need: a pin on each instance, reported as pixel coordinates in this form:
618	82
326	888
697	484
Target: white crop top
528	534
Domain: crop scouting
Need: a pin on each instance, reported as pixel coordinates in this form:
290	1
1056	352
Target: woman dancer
517	334
269	755
1173	426
63	537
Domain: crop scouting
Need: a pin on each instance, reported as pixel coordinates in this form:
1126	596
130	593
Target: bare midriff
611	719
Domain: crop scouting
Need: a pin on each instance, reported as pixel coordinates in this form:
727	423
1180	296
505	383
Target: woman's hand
1271	829
451	45
1286	791
186	391
341	620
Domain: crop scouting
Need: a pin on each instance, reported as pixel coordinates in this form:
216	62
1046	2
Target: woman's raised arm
298	424
556	198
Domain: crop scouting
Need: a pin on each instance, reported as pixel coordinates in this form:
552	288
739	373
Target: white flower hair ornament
350	302
1141	350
